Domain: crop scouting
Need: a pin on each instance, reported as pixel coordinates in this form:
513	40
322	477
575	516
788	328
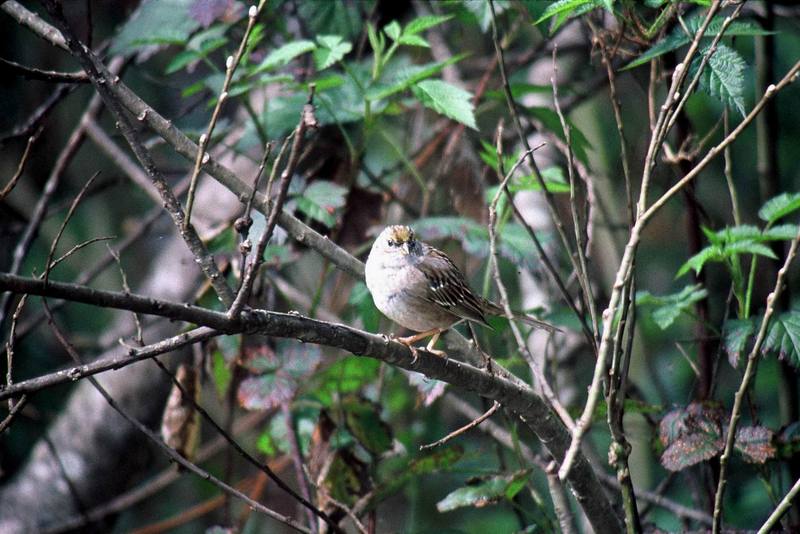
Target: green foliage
446	99
679	38
667	308
155	22
347	375
484	492
513	241
783	337
322	201
778	207
363	420
563	10
275	374
735	336
723	76
553	177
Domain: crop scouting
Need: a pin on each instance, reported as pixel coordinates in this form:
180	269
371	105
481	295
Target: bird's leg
408	341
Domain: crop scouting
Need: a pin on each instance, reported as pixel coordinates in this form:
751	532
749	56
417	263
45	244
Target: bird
420	288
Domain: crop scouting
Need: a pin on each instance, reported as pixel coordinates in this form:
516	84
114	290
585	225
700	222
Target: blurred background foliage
394	81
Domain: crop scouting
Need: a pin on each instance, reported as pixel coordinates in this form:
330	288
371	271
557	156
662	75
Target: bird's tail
494	309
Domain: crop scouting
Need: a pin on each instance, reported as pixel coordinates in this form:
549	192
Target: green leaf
669	307
392	30
322	201
420	24
723	76
361	299
678	37
222	373
181	60
747	247
266	444
779	207
696	262
565	8
782	232
413	40
735	336
283	55
345	376
550	120
331	49
155	21
446	99
399	76
491	490
364	422
783	337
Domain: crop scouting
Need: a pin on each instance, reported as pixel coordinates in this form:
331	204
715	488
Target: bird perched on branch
419	287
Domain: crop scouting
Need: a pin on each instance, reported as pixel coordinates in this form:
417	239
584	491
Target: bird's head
399	239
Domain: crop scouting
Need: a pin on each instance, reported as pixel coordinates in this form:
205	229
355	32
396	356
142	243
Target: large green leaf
491	490
668	308
331	49
283	55
779	206
735	336
155	22
783	337
723	75
446	99
399	76
678	37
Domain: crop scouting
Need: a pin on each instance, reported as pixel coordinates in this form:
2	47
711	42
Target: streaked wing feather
447	286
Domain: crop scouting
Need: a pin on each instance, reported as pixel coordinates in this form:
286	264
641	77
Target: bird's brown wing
447	287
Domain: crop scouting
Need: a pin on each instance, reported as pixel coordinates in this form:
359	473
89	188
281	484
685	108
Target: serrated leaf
783	337
779	206
446	99
755	443
564	8
420	24
747	247
487	492
691	435
782	232
283	55
723	76
266	391
696	262
413	40
669	307
678	37
735	336
331	49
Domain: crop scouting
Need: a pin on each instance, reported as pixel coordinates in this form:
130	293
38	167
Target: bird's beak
406	248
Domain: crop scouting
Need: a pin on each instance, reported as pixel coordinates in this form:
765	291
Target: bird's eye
392	243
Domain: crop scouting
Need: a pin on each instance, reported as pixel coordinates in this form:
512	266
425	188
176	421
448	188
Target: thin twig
171	453
102	81
32	73
230	67
469	426
501	288
21	166
72	208
781	509
15	409
747	377
307	120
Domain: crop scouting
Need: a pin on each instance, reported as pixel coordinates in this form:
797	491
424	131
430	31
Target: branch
516	397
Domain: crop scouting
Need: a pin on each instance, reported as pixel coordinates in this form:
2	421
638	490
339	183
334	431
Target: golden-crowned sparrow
420	288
